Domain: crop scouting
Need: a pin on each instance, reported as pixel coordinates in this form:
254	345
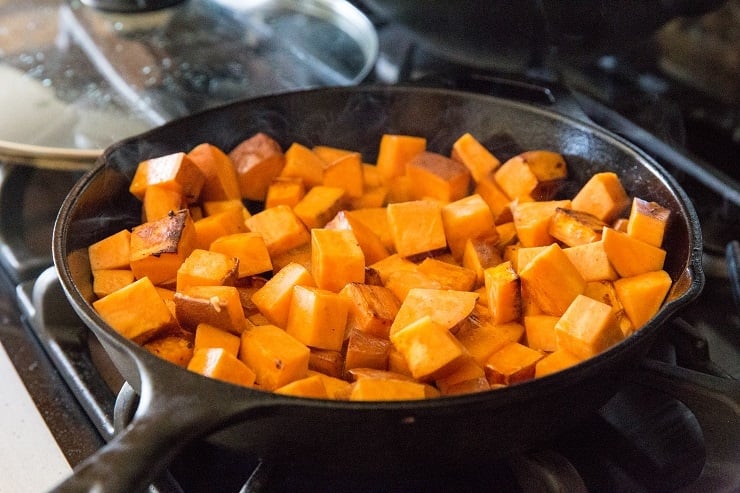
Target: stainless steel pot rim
59	158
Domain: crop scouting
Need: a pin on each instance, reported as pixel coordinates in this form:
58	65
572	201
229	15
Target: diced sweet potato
281	229
220	364
375	218
434	176
372	309
503	294
219	172
521	256
249	248
158	248
301	162
481	337
445	307
219	306
320	205
630	256
298	255
366	351
257	161
209	336
273	299
466	371
540	332
416	227
159	201
175	171
311	386
648	221
479	160
572	227
210	228
394	152
512	363
448	275
345	172
275	356
336	259
112	252
531	175
370	389
466	218
591	261
587	328
392	263
532	221
642	295
401	282
136	311
497	200
370	243
602	196
326	361
551	280
479	254
336	388
430	350
554	362
285	191
206	268
174	348
106	281
605	292
317	317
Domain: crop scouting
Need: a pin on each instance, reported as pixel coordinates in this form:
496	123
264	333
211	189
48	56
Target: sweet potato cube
257	161
371	197
285	191
366	351
630	256
554	362
219	306
591	262
587	328
372	389
479	160
466	371
466	218
136	311
281	229
211	207
220	364
648	221
158	248
602	196
174	348
375	218
540	332
159	201
106	281
572	227
112	252
317	317
209	336
434	176
416	227
320	204
336	259
480	254
311	386
446	308
507	234
512	363
226	222
206	268
481	337
532	221
643	295
503	293
174	171
605	292
400	283
371	309
394	152
392	263
275	356
448	275
497	200
370	243
336	388
273	299
301	162
551	281
219	172
532	175
430	350
521	256
327	362
345	172
249	248
298	255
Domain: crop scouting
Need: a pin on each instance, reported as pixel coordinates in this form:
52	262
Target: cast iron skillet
177	407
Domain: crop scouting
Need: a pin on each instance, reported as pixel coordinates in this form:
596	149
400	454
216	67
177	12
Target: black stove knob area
131	6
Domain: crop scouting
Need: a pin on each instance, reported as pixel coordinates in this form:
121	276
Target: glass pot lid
77	78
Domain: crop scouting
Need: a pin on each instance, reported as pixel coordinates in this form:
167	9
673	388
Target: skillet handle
141	452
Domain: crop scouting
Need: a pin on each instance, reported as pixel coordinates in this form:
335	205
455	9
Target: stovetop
647	439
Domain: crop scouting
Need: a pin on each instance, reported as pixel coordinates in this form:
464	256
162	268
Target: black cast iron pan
177	407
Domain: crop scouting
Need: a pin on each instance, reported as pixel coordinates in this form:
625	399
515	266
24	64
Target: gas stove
673	427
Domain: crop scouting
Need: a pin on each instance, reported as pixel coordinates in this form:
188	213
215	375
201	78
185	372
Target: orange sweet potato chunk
430	350
320	204
273	299
532	221
345	172
372	309
301	162
434	176
532	175
106	281
602	196
648	221
220	177
317	317
281	229
336	259
631	256
466	218
275	356
416	227
479	160
219	306
220	364
551	281
513	363
159	201
503	295
394	152
642	295
174	171
112	252
257	160
208	336
249	248
587	328
370	243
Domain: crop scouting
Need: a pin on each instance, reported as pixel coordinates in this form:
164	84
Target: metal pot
177	407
